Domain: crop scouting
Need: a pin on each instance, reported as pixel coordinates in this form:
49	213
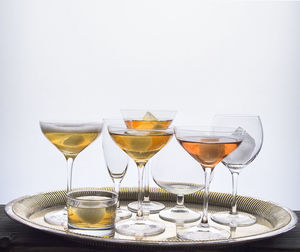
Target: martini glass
117	163
147	119
140	145
209	146
70	138
237	161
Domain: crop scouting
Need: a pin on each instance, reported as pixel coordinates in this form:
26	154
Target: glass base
203	233
179	215
139	228
122	214
148	206
234	220
106	233
58	217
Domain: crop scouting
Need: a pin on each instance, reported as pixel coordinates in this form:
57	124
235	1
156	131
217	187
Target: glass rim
238	115
100	121
113	194
114	128
149	110
70	127
206	128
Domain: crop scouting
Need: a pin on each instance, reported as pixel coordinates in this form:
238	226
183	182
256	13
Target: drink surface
148	124
117	175
209	151
141	146
179	188
70	143
91	215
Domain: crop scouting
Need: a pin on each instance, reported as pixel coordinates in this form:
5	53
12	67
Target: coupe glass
238	160
117	163
209	146
147	119
70	138
140	145
176	174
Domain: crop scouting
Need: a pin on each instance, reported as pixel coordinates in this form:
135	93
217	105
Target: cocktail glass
237	161
148	119
140	145
209	146
174	171
70	138
117	163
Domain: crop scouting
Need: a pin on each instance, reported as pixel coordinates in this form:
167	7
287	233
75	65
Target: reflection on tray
271	218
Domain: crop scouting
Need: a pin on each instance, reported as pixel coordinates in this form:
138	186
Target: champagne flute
147	119
140	145
238	160
117	163
70	138
209	146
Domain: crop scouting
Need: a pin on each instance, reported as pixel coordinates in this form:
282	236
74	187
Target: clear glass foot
179	214
122	214
202	233
57	217
148	206
234	220
140	228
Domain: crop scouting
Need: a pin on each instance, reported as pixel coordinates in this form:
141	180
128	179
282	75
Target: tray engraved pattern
272	219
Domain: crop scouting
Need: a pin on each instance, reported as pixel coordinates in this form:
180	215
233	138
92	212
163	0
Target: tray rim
146	243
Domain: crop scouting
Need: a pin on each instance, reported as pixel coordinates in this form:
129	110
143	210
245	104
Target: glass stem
180	201
235	176
70	161
204	219
146	184
117	190
141	168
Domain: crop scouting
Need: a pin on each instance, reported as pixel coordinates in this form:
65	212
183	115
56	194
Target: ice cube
149	117
243	153
90	215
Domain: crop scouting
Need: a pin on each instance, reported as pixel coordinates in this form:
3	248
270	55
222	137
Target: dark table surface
18	237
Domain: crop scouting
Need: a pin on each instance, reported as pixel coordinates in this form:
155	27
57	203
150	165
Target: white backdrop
62	58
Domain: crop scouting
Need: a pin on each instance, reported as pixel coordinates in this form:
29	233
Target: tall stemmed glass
148	119
209	146
238	160
140	145
70	138
117	163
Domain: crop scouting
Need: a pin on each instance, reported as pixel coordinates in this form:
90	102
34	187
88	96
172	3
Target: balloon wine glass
238	160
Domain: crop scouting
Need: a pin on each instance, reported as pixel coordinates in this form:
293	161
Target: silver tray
272	219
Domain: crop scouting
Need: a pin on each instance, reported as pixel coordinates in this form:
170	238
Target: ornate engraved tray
272	219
